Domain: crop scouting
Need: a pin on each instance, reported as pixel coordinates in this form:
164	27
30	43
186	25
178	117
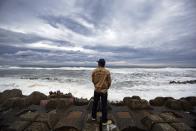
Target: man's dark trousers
97	96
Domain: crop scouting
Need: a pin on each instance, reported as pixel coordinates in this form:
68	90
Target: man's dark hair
101	63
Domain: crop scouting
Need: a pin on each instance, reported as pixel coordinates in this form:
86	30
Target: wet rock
174	104
55	94
181	127
33	78
1	97
126	100
136	103
59	103
144	113
177	82
37	126
183	82
158	101
19	125
117	103
150	120
15	102
29	116
58	94
144	104
43	117
192	100
73	119
124	120
186	105
43	103
169	98
36	97
80	101
162	127
9	94
52	104
193	111
168	117
136	97
8	103
21	103
36	108
53	118
68	95
64	103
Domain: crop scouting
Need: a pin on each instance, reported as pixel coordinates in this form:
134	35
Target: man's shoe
107	123
93	119
104	123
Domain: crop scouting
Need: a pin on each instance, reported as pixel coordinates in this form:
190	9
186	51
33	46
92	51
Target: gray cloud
67	22
79	32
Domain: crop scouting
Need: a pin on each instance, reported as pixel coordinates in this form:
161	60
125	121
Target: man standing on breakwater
102	80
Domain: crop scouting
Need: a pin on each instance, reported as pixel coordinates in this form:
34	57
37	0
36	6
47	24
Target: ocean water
147	83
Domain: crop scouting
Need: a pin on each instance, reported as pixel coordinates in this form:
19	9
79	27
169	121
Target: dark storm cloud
10	37
67	22
124	32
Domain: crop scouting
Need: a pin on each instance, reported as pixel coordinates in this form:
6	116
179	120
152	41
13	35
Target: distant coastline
94	66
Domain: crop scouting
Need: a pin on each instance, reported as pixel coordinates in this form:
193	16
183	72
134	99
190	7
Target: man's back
101	79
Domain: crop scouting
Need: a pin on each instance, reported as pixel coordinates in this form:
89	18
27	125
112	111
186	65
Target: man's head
101	62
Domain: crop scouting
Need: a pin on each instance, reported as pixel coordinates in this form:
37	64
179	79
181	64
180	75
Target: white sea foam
144	82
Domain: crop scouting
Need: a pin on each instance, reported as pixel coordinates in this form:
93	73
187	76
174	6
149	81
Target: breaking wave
144	82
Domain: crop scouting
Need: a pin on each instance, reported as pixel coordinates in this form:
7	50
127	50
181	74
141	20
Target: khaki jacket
101	79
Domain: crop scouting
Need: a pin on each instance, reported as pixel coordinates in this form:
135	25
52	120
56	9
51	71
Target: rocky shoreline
183	82
64	112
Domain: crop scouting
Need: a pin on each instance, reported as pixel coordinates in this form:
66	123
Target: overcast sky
78	32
